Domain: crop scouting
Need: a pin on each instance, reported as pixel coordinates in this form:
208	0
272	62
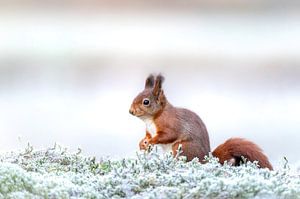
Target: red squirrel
169	127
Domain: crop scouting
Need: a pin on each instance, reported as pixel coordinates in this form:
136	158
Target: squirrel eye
146	102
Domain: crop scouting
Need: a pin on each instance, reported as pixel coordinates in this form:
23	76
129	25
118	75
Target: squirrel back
233	149
169	126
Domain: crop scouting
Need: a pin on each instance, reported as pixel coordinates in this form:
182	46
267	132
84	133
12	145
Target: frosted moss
57	173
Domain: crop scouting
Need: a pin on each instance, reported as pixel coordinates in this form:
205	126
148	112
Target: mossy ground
57	173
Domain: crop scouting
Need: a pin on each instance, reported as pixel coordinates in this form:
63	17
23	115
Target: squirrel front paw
144	144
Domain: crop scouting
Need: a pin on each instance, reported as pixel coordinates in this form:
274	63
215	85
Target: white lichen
57	173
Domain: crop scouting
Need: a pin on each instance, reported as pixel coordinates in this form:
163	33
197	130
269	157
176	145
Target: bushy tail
233	149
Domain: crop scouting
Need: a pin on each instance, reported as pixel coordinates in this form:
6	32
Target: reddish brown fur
173	125
234	148
145	141
181	126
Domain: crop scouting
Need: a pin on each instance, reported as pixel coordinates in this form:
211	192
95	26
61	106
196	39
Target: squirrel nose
131	111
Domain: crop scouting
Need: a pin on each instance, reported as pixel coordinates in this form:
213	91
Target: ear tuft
149	81
160	79
158	84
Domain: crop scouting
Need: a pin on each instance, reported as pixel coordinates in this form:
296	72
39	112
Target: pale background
70	69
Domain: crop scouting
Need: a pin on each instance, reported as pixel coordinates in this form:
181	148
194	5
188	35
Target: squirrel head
151	101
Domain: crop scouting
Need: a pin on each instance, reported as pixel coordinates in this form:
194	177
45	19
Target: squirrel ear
149	81
158	85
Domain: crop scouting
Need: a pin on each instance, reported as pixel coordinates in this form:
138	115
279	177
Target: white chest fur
166	148
150	126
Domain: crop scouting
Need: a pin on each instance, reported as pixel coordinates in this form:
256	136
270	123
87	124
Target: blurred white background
70	69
